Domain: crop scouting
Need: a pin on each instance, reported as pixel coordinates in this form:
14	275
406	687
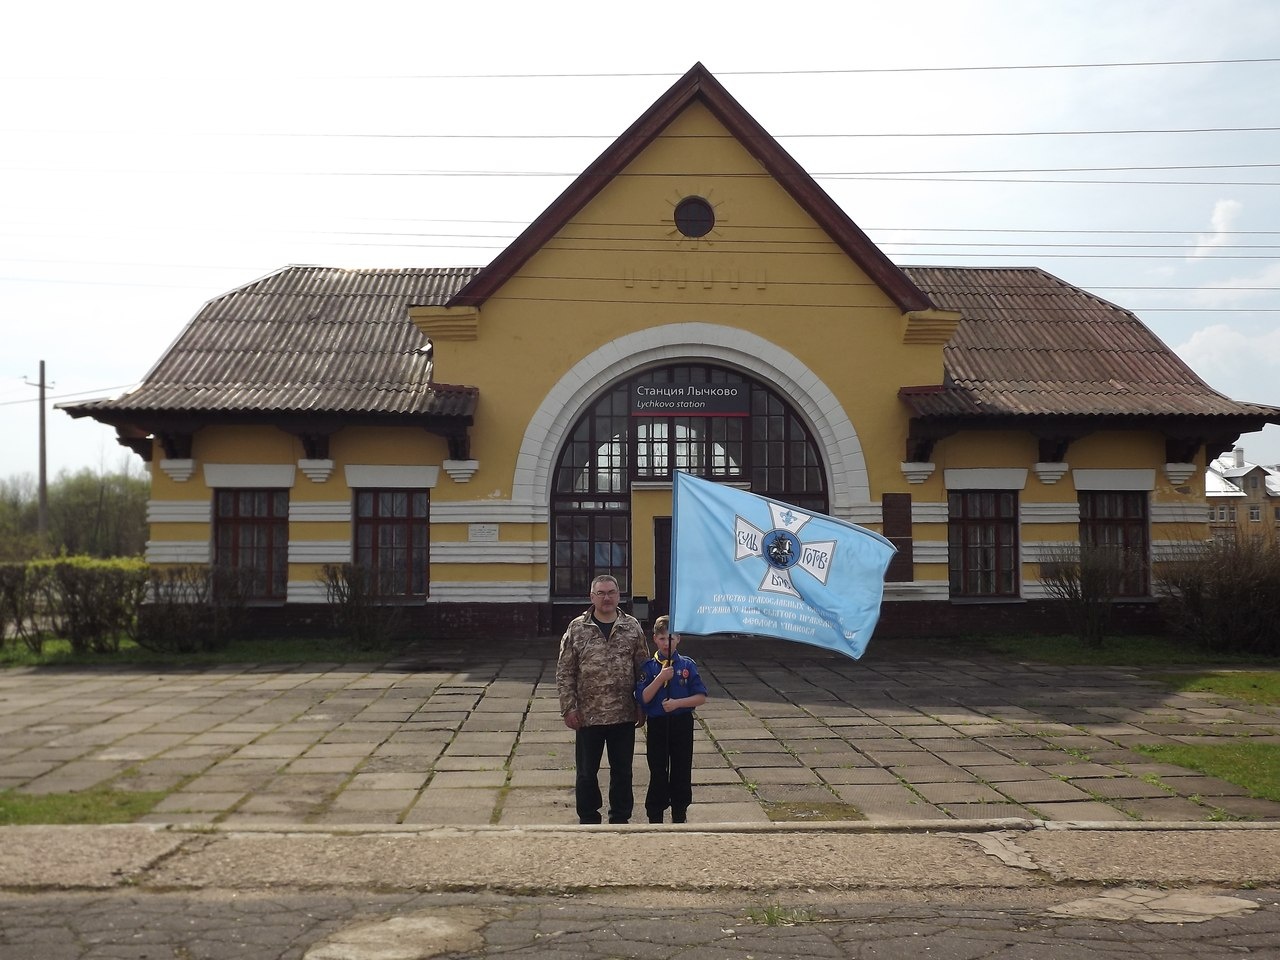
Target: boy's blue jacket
685	683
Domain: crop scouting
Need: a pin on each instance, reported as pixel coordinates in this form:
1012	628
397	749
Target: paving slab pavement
467	735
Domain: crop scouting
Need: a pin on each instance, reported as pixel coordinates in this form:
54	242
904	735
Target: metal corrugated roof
1031	344
306	340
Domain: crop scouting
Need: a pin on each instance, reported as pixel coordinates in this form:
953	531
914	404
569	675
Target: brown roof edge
698	85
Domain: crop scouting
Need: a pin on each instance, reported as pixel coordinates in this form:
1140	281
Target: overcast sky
156	155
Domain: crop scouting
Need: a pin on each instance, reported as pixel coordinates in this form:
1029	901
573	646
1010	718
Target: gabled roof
1029	344
305	341
698	86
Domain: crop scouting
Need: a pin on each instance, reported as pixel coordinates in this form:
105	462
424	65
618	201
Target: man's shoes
678	817
655	818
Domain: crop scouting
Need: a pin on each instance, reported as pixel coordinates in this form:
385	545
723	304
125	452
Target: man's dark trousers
669	750
589	746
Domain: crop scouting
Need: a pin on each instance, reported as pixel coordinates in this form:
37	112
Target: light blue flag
742	563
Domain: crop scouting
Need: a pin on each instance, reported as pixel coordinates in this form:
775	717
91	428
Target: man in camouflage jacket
602	656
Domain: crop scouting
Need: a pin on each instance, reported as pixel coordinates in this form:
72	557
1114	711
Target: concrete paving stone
719	793
985	811
1042	791
304	784
947	793
324	764
481	745
468	778
278	751
373	800
864	775
933	773
387	781
30	769
232	738
1119	788
329	750
1253	808
415	748
798	793
1080	769
731	746
974	758
215	783
467	807
781	761
888	803
1116	756
289	809
777	774
741	736
469	763
1079	811
719	775
56	783
936	738
542	761
492	723
900	758
1204	786
744	812
542	778
1165	809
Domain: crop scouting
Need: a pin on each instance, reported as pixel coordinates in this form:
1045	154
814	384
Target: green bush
95	602
18	620
192	609
359	606
1225	594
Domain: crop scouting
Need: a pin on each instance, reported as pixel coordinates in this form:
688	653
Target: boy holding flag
669	692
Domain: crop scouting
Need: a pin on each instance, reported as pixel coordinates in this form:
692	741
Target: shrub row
93	603
1225	594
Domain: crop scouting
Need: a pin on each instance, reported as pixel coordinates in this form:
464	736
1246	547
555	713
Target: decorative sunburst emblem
782	550
695	219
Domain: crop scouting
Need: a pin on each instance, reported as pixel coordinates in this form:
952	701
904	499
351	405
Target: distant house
490	439
1243	497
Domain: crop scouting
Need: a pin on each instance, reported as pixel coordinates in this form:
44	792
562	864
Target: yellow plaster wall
620	266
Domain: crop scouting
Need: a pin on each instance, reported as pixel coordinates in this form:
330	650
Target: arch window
761	444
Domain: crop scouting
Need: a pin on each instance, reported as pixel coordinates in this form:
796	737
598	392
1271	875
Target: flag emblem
743	563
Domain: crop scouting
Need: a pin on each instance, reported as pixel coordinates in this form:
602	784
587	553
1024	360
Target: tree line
91	513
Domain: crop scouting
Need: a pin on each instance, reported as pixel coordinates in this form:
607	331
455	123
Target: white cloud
1221	222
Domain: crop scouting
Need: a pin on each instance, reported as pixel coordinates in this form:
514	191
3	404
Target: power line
630	75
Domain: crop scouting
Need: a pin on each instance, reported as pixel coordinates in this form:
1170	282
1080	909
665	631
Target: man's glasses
604	593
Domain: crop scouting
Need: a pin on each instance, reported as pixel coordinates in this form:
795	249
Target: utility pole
42	512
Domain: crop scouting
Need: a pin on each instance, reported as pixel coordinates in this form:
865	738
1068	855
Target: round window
694	217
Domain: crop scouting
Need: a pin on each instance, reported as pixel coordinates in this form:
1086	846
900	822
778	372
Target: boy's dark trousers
589	747
669	750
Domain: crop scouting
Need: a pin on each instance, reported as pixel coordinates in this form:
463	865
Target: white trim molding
319	511
317	471
1050	473
924	511
496	551
1139	479
249	475
319	551
1194	513
178	551
461	471
1049	512
929	551
918	590
305	591
1179	472
366	476
179	511
489	591
179	471
986	478
487	511
917	471
689	342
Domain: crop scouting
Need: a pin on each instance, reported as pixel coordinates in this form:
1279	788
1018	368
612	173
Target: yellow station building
490	439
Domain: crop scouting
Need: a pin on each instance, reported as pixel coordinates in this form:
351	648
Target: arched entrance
623	444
